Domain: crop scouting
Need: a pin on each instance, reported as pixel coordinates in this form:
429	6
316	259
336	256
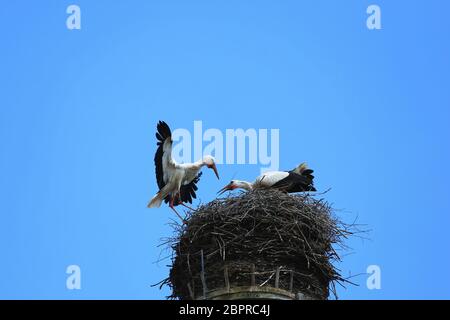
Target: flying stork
299	179
177	182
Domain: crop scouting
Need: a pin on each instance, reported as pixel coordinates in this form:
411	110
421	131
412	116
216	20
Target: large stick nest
257	233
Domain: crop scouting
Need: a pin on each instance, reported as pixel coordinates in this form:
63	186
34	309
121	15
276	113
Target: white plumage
268	179
176	182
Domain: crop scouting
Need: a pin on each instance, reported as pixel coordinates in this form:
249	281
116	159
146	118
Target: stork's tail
300	168
156	201
304	171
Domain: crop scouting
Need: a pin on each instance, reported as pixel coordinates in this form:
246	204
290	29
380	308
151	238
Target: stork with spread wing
177	182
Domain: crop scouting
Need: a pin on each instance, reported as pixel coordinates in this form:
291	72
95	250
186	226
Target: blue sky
368	110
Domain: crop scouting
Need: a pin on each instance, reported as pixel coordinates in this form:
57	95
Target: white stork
176	182
299	179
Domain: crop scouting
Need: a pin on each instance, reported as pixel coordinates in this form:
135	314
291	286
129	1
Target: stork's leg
180	202
173	208
186	206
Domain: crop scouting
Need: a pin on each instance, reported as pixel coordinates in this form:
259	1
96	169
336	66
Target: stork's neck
244	185
196	165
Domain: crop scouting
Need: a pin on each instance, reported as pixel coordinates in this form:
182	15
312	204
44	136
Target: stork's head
210	162
236	184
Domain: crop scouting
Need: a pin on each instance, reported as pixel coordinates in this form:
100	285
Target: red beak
228	187
215	170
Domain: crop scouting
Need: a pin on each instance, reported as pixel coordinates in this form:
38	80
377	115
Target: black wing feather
187	191
295	182
307	172
162	134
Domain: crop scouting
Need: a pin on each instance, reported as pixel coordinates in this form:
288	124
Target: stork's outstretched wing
187	191
163	155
